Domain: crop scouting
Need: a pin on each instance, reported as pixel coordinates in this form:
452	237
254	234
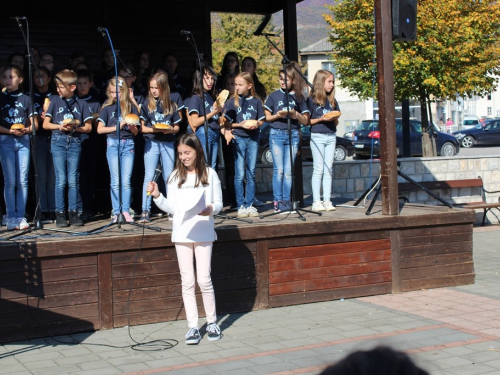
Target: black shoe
45	218
74	219
193	336
61	220
213	332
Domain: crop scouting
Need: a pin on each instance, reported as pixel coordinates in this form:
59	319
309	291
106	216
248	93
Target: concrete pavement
446	331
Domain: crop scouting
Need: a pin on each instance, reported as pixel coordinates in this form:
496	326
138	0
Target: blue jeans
282	165
323	152
126	164
66	152
15	157
46	174
213	145
245	158
153	151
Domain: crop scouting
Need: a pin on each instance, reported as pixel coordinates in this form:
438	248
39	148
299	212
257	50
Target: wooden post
105	279
262	275
385	80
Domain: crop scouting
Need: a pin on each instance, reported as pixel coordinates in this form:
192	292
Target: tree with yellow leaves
457	51
234	32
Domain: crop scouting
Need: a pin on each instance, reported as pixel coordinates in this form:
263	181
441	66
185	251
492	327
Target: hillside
311	25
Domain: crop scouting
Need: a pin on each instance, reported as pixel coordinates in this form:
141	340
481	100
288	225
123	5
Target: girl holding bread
324	120
160	122
202	103
107	123
194	197
277	107
17	118
244	113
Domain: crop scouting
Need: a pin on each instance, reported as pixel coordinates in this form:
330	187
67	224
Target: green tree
234	32
457	51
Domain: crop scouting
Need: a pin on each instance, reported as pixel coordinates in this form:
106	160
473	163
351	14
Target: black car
367	135
343	149
487	133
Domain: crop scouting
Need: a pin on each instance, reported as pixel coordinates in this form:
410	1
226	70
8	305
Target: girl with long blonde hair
119	149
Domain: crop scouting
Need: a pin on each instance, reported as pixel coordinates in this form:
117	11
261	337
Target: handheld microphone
185	32
155	177
102	30
17	18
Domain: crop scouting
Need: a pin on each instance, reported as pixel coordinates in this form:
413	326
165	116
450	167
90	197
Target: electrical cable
153	345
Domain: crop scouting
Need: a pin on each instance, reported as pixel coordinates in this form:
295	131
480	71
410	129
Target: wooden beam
385	80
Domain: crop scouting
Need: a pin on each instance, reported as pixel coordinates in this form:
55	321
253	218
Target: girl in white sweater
194	197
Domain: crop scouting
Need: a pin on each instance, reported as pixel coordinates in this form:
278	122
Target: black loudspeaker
404	20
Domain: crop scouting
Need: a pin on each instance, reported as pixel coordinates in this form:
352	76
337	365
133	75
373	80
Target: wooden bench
407	187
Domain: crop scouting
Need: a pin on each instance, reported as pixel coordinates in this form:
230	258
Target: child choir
73	108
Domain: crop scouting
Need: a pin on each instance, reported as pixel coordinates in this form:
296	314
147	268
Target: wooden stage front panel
64	284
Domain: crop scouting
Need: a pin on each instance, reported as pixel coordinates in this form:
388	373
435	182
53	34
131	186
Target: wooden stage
52	283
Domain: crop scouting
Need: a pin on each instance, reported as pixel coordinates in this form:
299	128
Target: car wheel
468	141
340	153
267	157
448	149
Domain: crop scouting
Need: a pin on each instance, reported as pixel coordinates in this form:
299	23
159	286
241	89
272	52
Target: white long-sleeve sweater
195	228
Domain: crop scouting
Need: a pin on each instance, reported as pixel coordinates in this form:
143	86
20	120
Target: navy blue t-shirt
61	109
196	106
108	117
15	108
157	117
39	100
317	111
276	102
249	108
93	102
177	99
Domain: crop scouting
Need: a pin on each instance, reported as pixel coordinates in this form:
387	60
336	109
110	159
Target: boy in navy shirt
90	146
66	142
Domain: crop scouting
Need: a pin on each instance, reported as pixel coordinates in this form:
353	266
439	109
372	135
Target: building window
489	96
489	111
328	66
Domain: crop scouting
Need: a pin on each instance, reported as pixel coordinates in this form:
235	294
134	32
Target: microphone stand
286	62
190	39
120	219
37	220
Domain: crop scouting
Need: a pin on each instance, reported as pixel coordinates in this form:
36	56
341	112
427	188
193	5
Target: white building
354	110
317	56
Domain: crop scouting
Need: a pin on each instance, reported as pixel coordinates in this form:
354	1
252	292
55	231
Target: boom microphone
17	18
185	32
102	30
262	25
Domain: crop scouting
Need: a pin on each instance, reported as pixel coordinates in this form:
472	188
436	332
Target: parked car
343	149
487	134
368	133
470	122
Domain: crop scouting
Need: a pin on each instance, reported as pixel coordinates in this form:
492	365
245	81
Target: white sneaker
329	206
12	224
318	206
22	223
252	211
242	211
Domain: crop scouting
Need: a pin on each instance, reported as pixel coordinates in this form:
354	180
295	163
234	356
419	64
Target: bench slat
472	182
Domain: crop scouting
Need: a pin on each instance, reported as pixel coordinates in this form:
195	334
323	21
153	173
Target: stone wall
353	178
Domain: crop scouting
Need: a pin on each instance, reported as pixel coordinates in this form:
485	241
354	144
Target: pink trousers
187	252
